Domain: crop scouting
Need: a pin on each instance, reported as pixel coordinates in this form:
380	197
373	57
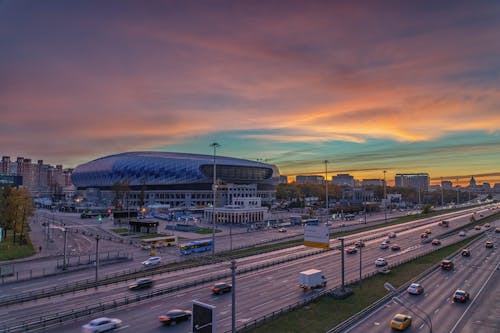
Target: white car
282	230
380	262
151	261
102	324
461	233
384	246
415	289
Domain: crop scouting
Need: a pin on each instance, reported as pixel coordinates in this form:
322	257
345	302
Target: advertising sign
203	318
317	236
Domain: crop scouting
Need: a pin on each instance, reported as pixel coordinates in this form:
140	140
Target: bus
311	222
196	246
158	242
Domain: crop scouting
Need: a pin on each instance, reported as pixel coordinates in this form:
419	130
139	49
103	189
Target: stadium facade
177	180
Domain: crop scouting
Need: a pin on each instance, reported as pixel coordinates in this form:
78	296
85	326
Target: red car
436	242
359	244
447	265
460	296
174	316
395	247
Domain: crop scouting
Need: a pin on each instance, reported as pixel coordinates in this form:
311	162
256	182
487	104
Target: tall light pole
65	245
233	296
214	145
385	198
442	193
96	259
458	198
326	188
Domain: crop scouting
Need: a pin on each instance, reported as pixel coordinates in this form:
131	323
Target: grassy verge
9	251
325	313
205	231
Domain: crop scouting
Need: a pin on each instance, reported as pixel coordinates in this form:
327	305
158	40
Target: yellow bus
157	242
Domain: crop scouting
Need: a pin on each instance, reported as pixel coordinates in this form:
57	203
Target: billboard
317	236
203	318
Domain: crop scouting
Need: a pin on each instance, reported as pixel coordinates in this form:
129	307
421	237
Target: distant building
283	179
447	185
420	181
309	179
343	179
372	182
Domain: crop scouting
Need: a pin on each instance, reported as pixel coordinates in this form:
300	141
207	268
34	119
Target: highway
258	293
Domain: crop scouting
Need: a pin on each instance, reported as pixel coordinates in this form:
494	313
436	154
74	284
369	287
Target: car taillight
462	298
216	289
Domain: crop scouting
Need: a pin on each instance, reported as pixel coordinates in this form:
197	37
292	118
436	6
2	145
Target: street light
233	299
385	198
214	145
326	188
96	259
442	193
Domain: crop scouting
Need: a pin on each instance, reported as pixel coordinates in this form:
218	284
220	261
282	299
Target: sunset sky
402	86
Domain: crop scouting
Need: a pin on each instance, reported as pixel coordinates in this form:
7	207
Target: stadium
177	180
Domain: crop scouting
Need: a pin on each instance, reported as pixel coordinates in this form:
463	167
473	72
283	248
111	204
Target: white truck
312	278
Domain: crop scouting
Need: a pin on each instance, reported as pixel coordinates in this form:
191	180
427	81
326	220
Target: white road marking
156	306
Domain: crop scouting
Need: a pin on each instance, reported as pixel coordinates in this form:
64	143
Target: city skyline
368	86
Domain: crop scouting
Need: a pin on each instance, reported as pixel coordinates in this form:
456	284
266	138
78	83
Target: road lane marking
155	307
421	326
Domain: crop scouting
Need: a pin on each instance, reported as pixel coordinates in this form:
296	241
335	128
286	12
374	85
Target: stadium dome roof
166	168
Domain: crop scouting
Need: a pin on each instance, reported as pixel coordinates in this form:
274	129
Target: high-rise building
343	179
5	164
309	179
447	185
372	182
420	181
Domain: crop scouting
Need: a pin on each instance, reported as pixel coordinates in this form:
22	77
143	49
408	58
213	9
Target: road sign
317	236
203	318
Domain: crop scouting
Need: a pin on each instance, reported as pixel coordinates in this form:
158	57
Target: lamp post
458	198
326	188
96	259
385	198
360	266
65	245
214	145
428	322
442	193
233	299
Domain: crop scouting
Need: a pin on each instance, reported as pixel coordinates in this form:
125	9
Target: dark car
460	296
436	242
221	288
351	250
395	247
141	284
489	244
174	316
446	265
465	253
359	243
425	240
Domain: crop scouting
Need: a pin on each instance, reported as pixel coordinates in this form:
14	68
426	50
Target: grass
9	251
205	231
325	313
120	230
151	236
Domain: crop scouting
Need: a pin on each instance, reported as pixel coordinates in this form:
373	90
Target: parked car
172	317
465	253
351	250
489	244
415	289
460	296
395	247
384	246
461	233
380	262
221	288
401	322
446	265
102	324
151	261
141	284
436	242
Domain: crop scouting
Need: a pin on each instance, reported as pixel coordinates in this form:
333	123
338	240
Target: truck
311	279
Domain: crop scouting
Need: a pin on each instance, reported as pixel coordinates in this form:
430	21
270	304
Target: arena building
177	180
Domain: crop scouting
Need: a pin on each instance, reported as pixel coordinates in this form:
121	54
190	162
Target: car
425	240
221	288
351	250
428	231
489	244
461	233
384	246
172	317
446	265
415	289
141	284
102	324
497	230
436	242
151	261
282	230
444	224
477	227
460	296
486	225
395	247
424	235
392	235
465	253
388	240
359	243
380	262
401	322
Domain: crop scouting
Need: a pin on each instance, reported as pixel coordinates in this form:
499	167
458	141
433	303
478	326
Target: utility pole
326	189
96	260
442	193
458	198
214	145
360	266
233	305
65	245
385	198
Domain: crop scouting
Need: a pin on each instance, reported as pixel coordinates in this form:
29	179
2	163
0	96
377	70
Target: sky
401	86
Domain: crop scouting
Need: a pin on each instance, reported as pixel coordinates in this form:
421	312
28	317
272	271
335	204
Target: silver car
102	324
151	261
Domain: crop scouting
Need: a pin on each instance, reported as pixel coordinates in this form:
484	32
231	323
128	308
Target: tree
16	208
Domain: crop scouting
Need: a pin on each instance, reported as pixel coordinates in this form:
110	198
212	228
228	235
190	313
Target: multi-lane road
258	292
